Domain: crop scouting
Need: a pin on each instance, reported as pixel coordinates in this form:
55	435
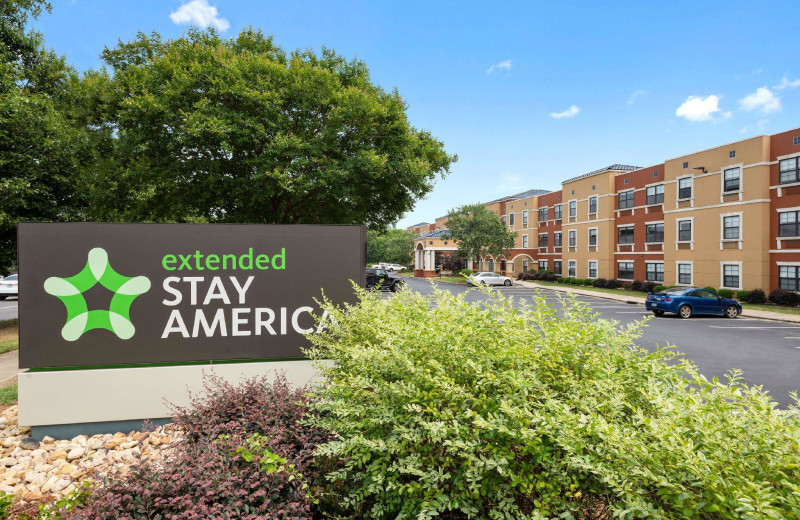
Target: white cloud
697	108
762	100
503	65
570	112
198	12
787	83
636	95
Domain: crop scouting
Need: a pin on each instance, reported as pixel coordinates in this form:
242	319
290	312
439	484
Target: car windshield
677	290
12	278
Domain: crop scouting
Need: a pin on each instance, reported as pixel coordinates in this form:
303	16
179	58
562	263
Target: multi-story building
727	217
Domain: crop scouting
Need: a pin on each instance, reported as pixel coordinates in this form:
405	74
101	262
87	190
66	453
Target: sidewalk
9	368
749	313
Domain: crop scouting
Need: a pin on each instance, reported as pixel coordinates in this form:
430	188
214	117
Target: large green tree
41	143
238	130
478	232
394	246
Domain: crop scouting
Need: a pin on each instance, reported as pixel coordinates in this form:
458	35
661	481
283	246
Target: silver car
489	279
9	286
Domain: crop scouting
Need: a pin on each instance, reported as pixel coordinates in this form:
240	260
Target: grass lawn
621	292
9	336
771	308
8	395
449	279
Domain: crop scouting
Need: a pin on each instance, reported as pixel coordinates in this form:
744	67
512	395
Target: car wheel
507	283
685	312
658	313
731	311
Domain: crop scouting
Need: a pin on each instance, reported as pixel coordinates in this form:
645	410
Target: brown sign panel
115	294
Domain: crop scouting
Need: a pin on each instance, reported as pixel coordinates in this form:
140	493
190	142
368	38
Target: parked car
488	279
9	286
688	301
393	267
379	279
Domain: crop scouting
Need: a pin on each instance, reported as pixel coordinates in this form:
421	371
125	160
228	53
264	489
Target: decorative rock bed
33	471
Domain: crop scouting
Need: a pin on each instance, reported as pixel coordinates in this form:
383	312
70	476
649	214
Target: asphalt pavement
767	351
8	309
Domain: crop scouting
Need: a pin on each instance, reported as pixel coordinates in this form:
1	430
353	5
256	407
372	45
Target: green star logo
79	318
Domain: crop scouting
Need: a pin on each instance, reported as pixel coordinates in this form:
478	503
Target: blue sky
526	93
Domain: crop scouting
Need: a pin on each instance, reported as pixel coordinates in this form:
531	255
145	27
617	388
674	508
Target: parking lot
767	351
8	309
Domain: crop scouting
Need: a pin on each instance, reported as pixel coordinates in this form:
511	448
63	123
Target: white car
489	279
9	286
388	267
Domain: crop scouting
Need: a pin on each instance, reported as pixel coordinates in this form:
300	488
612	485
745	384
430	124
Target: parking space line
757	327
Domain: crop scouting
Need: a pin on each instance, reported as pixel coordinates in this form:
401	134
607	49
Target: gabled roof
421	224
434	234
521	195
613	168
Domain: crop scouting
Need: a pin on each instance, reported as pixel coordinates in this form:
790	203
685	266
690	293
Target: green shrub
502	412
588	282
742	295
709	288
562	280
636	285
725	293
613	284
658	288
6	500
784	297
466	272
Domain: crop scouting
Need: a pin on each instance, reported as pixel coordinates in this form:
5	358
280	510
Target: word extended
198	261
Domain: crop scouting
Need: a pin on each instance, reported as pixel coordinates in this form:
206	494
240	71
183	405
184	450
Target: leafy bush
725	293
588	282
599	282
6	500
636	285
757	296
613	284
783	297
562	279
209	474
742	296
648	287
659	288
502	412
709	288
466	272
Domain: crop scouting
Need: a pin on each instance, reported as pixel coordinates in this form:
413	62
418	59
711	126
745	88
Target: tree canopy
394	246
238	130
478	232
41	145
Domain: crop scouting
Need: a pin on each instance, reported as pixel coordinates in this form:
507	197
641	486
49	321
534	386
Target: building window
592	205
491	265
557	212
655	233
730	275
685	188
524	240
543	240
685	274
543	265
626	181
511	220
503	220
593	237
625	235
655	194
796	141
625	200
525	218
789	224
730	228
654	272
655	174
573	208
557	239
789	277
524	266
625	270
789	171
571	269
556	266
592	269
684	231
542	214
731	154
685	165
573	237
732	179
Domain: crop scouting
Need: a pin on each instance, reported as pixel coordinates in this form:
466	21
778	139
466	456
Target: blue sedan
687	301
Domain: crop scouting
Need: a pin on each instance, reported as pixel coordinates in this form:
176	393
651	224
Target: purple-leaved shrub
206	477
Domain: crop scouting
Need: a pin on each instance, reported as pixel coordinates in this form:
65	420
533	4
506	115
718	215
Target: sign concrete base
67	403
